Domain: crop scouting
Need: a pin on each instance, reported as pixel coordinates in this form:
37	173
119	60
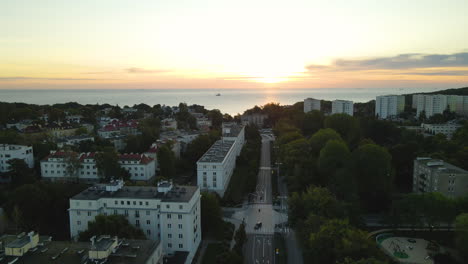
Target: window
128	202
214	167
148	232
122	202
169	216
137	223
89	213
169	226
180	235
168	206
126	213
148	222
169	235
134	202
169	245
141	203
159	206
116	202
78	213
180	226
78	222
181	245
214	174
179	216
115	212
147	203
105	204
204	173
148	212
181	207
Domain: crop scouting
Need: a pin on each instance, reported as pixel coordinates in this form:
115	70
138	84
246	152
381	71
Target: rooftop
177	194
129	252
6	147
231	129
218	151
436	164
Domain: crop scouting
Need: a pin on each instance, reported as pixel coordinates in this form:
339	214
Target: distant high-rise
342	107
311	104
387	106
438	103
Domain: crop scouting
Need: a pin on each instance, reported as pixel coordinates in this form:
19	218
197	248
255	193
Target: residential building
73	140
215	167
432	104
342	107
204	123
9	152
311	104
447	129
433	175
32	249
169	124
254	119
73	118
389	106
71	166
416	99
118	127
166	213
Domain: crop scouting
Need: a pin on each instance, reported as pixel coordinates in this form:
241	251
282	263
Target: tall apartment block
343	107
433	175
166	213
388	106
311	104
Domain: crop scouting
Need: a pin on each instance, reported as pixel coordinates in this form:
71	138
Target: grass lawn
212	250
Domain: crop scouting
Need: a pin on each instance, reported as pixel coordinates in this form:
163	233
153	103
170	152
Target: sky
149	44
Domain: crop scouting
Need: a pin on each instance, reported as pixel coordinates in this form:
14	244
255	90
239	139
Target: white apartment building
432	175
9	152
311	104
388	106
432	104
447	129
417	98
215	167
343	107
166	213
57	166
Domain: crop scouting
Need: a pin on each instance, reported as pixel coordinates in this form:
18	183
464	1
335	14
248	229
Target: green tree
347	126
333	157
72	163
337	240
81	131
211	214
461	234
113	225
320	139
20	173
373	171
313	122
107	164
166	161
240	237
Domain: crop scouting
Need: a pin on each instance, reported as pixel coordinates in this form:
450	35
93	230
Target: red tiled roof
143	159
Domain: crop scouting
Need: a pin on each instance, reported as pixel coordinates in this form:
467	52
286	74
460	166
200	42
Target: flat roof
218	151
103	243
67	252
234	129
177	194
437	164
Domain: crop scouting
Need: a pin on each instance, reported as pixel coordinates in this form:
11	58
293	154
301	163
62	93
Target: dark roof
136	252
179	257
177	194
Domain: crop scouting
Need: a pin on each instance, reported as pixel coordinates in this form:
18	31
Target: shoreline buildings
9	152
389	106
342	107
311	104
438	103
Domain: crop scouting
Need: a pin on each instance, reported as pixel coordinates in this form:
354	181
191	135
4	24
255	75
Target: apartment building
433	175
432	104
254	119
215	167
9	152
448	129
32	249
311	104
166	213
343	107
389	106
71	166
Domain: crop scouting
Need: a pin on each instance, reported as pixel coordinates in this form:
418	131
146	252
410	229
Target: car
258	225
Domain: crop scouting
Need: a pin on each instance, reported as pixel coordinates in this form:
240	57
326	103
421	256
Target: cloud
442	73
402	61
141	70
19	78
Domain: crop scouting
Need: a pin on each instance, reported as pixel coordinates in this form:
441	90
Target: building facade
342	107
447	129
71	166
9	152
254	119
432	175
215	167
389	106
311	104
167	213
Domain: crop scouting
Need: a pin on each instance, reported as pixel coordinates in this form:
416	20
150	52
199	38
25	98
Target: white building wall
311	104
343	107
9	152
388	106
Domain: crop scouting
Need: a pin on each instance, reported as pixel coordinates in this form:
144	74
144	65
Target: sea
231	101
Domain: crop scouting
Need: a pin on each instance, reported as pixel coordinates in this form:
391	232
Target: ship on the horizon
218	94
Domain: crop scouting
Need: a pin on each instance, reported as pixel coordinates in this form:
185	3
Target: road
259	247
